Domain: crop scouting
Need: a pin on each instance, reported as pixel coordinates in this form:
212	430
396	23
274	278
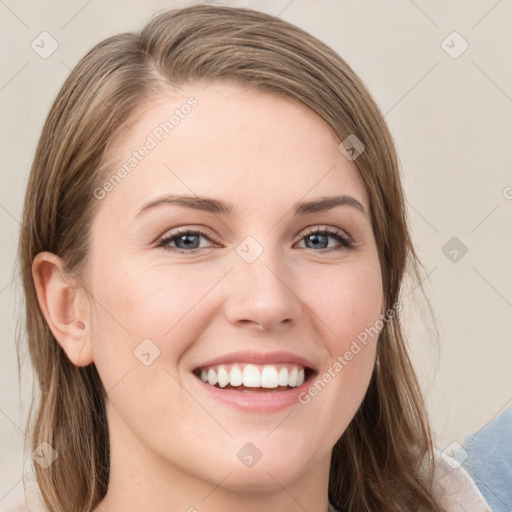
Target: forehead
228	141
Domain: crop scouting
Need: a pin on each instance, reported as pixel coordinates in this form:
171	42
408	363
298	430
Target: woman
213	244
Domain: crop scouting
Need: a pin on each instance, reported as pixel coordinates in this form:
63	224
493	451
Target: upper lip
258	358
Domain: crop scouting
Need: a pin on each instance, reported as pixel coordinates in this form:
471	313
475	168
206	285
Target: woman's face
232	275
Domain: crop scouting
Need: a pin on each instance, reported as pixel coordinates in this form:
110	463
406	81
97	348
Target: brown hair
384	460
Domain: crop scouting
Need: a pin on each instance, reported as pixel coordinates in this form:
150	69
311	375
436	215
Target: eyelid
345	241
314	228
181	230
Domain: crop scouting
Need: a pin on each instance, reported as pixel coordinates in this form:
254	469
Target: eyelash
346	243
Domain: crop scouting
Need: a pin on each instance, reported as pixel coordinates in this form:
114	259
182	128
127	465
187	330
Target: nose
261	293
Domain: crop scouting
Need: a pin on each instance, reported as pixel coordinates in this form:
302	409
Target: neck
141	479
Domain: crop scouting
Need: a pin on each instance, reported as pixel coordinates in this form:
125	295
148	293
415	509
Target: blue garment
489	461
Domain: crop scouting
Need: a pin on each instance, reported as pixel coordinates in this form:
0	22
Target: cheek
351	308
146	303
134	304
350	303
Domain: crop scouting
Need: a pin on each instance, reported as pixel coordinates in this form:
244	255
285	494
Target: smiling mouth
252	378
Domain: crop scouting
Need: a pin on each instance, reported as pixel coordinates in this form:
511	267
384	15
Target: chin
269	478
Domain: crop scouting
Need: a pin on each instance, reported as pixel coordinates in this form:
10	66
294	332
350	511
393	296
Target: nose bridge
262	292
259	266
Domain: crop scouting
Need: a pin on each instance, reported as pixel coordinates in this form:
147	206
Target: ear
64	306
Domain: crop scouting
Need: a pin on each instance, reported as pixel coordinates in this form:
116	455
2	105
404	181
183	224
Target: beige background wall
450	114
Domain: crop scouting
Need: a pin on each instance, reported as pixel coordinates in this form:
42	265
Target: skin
173	447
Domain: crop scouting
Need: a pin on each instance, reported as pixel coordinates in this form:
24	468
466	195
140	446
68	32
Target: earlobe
64	306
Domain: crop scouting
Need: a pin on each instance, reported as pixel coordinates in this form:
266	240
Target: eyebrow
217	206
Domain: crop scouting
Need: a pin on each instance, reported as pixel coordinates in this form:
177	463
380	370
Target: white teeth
283	376
236	377
292	378
223	377
253	376
300	377
212	377
269	377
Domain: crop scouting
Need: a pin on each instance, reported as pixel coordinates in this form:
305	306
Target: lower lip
260	401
